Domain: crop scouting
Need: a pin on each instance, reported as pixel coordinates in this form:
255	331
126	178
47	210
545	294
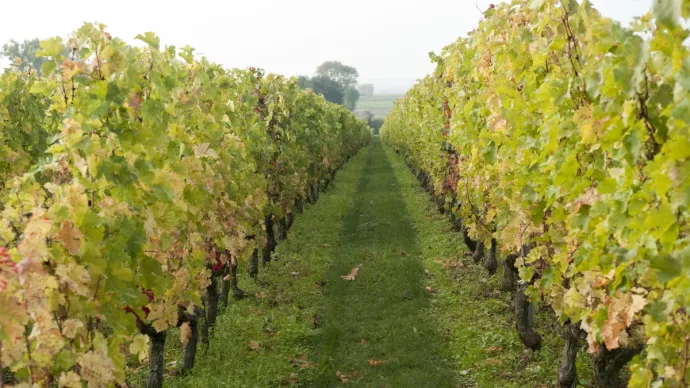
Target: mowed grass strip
377	329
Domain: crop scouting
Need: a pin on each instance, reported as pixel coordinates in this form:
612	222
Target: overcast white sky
386	40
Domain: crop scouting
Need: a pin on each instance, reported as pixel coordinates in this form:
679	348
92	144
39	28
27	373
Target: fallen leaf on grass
355	374
430	290
377	362
450	263
253	345
260	295
353	274
300	361
494	349
493	362
363	342
341	376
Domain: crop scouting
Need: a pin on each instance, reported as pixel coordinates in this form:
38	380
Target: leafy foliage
25	52
558	129
131	169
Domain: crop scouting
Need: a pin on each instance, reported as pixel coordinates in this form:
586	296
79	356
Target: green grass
383	314
418	304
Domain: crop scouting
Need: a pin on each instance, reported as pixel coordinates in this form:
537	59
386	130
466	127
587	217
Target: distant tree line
366	90
336	82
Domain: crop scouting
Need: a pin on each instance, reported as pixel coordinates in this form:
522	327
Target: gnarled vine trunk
510	273
608	365
567	374
478	253
253	265
211	310
282	228
490	262
189	354
271	242
156	357
524	316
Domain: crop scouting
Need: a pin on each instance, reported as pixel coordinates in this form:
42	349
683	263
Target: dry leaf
355	374
494	349
353	274
253	345
363	342
185	333
70	236
377	362
341	376
260	295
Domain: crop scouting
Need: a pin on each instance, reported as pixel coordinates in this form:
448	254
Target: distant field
380	106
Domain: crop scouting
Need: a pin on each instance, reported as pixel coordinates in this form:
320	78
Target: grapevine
569	141
135	178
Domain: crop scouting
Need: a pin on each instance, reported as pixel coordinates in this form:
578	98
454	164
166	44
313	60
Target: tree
324	85
25	51
366	90
351	97
335	81
343	74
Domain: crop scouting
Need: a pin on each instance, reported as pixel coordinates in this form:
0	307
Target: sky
388	41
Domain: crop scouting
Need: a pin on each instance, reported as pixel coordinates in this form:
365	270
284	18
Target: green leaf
48	67
666	267
667	12
52	47
150	39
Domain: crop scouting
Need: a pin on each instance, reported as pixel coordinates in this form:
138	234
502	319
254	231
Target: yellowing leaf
140	346
69	380
70	236
96	368
185	333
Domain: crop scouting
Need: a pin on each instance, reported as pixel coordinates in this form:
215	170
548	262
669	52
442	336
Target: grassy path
418	314
381	317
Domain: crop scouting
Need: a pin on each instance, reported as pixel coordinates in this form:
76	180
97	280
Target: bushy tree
335	81
25	51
